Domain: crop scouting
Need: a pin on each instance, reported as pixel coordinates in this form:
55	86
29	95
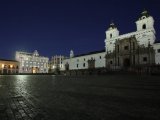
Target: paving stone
80	98
2	108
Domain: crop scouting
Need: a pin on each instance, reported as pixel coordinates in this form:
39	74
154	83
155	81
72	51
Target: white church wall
81	62
157	53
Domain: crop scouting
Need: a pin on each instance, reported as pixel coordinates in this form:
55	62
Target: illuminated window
2	65
11	66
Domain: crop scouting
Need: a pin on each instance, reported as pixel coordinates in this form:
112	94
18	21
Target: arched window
144	26
110	35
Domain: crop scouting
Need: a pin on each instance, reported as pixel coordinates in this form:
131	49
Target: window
126	47
110	62
143	17
100	57
77	60
77	65
110	35
144	59
84	59
158	50
84	64
144	26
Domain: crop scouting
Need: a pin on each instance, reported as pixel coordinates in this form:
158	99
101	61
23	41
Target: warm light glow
34	71
2	65
11	66
53	66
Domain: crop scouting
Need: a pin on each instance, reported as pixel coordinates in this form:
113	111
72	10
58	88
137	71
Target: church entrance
126	62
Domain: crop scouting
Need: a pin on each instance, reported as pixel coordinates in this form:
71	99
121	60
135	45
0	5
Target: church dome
35	53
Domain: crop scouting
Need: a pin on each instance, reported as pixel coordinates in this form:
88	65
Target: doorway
126	62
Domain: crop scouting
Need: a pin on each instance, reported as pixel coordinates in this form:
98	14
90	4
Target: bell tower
145	29
111	34
71	54
145	21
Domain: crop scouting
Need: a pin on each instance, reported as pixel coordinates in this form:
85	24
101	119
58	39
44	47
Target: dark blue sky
56	26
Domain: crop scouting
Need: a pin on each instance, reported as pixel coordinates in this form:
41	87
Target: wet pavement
110	97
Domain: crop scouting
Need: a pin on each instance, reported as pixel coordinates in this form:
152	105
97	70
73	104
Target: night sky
56	26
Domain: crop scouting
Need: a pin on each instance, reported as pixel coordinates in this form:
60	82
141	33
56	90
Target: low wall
143	69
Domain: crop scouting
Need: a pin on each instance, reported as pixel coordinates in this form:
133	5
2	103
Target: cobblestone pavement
110	97
18	108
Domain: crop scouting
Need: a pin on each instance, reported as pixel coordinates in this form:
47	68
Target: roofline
8	60
90	53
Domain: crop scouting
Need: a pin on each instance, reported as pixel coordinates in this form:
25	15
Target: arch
84	64
144	26
126	62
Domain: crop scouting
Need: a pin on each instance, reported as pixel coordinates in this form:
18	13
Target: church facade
121	51
128	53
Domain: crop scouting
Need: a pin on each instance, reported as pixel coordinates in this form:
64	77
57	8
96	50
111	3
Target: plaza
49	97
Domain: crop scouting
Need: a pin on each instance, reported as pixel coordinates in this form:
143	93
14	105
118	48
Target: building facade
132	49
121	51
135	48
9	66
90	60
128	53
56	64
32	62
157	53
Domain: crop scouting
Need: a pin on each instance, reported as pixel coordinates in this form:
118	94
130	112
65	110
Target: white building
94	59
31	62
56	63
145	35
157	53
